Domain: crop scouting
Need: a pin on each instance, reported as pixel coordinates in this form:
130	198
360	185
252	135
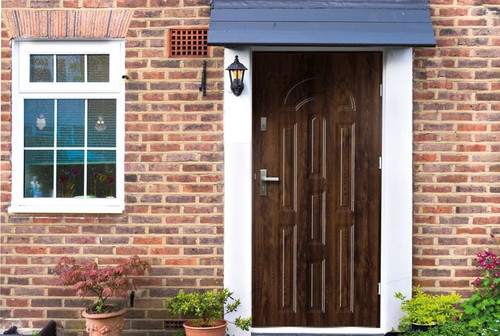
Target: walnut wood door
316	227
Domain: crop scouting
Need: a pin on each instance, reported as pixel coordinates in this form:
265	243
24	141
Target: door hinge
263	124
379	289
380	162
381	90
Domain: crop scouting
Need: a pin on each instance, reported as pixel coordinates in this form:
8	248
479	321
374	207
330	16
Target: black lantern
236	74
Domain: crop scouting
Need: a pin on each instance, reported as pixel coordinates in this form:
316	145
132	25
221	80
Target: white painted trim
397	181
238	177
115	90
396	251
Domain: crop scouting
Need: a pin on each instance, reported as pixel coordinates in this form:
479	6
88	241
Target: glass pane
98	68
69	173
101	123
39	123
38	173
101	174
70	122
70	68
41	68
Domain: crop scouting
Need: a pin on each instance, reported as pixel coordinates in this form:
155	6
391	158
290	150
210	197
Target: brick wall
174	191
456	143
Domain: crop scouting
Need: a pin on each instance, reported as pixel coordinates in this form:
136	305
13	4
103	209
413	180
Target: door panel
316	232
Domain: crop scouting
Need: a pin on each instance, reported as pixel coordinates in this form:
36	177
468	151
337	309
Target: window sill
90	209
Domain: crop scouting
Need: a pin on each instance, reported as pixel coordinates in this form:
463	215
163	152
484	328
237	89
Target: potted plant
424	310
206	311
105	282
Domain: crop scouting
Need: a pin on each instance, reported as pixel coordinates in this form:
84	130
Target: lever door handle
263	181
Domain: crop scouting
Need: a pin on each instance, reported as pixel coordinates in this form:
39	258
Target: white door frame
396	214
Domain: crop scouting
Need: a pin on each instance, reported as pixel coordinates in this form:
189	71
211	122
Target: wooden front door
316	231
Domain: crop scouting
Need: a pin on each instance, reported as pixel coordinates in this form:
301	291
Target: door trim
396	219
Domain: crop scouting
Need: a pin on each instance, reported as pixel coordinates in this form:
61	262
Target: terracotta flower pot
110	324
219	329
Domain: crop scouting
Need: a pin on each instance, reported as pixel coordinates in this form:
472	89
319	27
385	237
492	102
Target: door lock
263	181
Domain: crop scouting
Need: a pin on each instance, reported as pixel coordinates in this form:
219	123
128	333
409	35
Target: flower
67	182
101	182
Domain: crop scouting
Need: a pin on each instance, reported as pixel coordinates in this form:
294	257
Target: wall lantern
236	75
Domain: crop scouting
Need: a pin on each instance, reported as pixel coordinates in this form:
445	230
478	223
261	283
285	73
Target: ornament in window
36	187
100	126
40	122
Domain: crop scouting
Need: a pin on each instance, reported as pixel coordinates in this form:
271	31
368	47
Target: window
67	126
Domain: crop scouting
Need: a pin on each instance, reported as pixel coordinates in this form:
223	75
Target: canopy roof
321	23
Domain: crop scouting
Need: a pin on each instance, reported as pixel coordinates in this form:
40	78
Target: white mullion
54	68
85	144
85	68
54	169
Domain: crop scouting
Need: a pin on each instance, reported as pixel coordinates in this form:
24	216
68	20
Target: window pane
70	122
98	68
39	123
101	174
70	68
38	173
69	173
41	68
101	123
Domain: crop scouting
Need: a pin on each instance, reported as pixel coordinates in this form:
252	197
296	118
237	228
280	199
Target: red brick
17	302
14	3
471	127
97	3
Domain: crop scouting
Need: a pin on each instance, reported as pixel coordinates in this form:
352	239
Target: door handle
263	181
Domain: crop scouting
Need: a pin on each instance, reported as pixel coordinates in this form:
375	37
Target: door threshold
318	334
311	331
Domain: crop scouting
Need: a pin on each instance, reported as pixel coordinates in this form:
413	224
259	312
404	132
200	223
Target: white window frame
22	89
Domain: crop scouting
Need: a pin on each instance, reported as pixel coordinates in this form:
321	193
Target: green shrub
448	328
427	309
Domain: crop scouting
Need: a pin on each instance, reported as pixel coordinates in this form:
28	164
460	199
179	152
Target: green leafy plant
87	278
207	307
427	309
482	309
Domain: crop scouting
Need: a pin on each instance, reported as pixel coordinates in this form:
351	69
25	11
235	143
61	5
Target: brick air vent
188	42
173	324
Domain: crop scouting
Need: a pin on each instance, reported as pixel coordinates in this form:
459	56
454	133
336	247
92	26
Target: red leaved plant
111	281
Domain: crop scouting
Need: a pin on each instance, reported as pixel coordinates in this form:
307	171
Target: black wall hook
203	85
132	296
